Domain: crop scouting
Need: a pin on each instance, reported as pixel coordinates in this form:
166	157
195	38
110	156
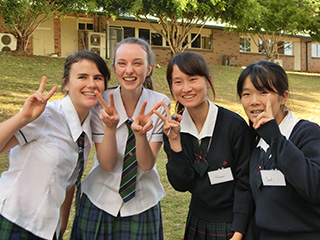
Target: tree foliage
22	17
277	20
176	18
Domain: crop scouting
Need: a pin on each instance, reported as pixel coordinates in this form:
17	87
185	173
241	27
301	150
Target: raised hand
108	114
171	127
265	116
36	103
143	123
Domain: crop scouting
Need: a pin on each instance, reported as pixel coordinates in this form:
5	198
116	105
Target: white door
297	56
69	36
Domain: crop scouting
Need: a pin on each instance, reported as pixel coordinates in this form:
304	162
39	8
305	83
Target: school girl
208	154
285	165
107	212
43	161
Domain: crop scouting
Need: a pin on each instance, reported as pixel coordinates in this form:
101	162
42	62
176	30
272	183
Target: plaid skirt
11	231
198	229
95	224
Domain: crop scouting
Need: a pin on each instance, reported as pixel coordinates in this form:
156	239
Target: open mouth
130	79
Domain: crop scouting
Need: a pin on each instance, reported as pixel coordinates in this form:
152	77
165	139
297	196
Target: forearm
8	128
146	157
65	209
107	153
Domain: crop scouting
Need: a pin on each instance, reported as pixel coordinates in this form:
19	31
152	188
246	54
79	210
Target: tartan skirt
11	231
199	229
95	224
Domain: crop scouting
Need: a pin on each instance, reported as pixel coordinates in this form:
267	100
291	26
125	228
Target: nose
255	99
92	83
186	86
129	69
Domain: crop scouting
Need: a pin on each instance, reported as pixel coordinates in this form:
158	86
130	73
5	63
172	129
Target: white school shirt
42	167
188	126
102	187
286	126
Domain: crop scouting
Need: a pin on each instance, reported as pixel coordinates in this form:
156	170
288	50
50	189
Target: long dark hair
191	64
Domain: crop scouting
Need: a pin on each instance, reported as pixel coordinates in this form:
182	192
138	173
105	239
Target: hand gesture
36	103
108	114
143	123
265	116
171	127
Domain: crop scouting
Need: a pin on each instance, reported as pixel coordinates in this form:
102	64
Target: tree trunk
22	43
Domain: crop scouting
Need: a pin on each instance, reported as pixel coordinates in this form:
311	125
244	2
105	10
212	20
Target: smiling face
131	67
84	79
190	91
254	101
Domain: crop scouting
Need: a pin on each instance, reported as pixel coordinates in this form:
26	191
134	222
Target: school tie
80	142
264	157
200	153
129	171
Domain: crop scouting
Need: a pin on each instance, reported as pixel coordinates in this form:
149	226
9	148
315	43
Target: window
128	32
85	24
261	46
144	34
206	41
285	48
315	50
197	42
245	44
156	39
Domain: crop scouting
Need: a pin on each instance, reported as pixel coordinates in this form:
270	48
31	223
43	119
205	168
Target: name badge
220	176
272	178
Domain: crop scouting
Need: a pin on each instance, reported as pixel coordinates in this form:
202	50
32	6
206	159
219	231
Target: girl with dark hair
208	154
285	165
44	158
122	192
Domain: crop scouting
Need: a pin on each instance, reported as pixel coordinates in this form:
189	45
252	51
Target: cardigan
294	208
230	147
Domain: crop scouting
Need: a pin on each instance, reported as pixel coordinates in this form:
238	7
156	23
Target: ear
149	70
65	85
284	97
208	84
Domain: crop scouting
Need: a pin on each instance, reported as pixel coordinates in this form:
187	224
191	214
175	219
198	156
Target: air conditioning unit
97	43
8	42
278	61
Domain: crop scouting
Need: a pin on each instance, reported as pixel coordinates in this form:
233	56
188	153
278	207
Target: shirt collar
120	106
188	126
73	120
286	126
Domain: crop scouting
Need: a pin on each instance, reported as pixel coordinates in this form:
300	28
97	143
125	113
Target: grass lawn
20	76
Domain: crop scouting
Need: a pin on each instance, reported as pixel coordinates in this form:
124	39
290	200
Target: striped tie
80	142
129	171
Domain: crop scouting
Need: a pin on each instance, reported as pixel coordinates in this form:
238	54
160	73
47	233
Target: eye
138	63
82	77
99	78
176	82
264	92
245	94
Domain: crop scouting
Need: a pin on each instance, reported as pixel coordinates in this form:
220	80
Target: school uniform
216	208
290	210
102	207
41	168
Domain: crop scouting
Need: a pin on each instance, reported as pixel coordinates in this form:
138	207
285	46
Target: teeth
89	94
129	79
187	96
255	112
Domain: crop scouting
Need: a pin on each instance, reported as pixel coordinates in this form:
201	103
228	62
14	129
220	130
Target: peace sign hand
108	114
171	127
143	122
265	116
36	103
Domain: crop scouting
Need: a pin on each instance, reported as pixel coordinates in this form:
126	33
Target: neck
130	100
199	114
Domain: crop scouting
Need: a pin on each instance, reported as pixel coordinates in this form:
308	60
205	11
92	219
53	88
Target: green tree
277	20
176	18
22	17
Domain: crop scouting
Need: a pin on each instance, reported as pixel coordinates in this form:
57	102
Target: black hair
191	64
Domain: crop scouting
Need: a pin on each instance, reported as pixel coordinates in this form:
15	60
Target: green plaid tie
200	153
80	142
129	171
